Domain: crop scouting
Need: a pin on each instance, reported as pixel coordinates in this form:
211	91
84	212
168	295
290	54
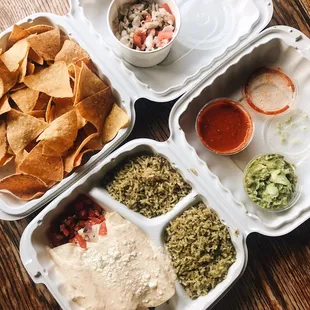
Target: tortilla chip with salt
70	52
61	133
13	57
37	29
22	129
17	34
24	186
33	56
47	168
46	44
7	79
116	120
53	81
4	105
25	99
96	108
69	159
88	84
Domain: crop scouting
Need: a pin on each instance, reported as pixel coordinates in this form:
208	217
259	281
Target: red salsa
224	126
82	213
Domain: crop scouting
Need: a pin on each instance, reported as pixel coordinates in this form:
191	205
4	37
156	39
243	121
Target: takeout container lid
86	23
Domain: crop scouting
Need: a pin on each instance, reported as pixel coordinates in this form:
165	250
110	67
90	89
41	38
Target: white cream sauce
119	271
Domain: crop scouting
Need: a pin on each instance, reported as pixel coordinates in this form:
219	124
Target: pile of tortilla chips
53	109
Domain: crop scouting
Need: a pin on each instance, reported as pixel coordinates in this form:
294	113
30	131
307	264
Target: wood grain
278	273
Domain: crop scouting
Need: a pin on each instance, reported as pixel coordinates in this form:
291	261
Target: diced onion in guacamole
270	181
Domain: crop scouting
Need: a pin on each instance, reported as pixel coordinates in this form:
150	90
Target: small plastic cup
143	58
248	138
295	196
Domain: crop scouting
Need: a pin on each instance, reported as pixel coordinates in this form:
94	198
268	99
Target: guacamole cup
271	182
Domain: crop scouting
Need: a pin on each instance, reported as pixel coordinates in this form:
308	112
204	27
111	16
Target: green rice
200	248
146	184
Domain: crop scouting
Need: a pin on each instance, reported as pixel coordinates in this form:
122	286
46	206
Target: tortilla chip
17	34
19	158
96	143
10	151
6	159
77	74
96	108
88	84
37	29
47	168
17	87
22	129
22	70
13	57
79	158
42	102
23	186
87	61
53	81
7	80
47	151
62	106
4	105
30	68
32	55
70	53
25	99
61	133
116	120
46	44
38	114
49	111
3	140
75	151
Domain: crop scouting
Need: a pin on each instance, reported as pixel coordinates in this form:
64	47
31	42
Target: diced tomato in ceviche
82	213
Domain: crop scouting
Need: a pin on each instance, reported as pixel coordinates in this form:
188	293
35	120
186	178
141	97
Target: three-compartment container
218	48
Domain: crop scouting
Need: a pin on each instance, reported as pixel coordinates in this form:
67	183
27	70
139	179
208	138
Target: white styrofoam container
216	180
34	243
86	23
12	208
277	47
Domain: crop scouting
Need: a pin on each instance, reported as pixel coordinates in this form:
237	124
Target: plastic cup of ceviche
144	30
271	182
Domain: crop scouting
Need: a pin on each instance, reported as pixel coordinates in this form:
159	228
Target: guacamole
270	181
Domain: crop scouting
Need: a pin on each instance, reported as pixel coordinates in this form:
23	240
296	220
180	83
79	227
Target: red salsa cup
224	126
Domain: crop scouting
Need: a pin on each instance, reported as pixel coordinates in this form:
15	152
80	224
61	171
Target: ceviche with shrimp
144	25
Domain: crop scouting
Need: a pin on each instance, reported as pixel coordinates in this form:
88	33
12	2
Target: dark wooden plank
277	276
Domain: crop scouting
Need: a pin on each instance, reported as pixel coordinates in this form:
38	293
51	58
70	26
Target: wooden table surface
278	272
